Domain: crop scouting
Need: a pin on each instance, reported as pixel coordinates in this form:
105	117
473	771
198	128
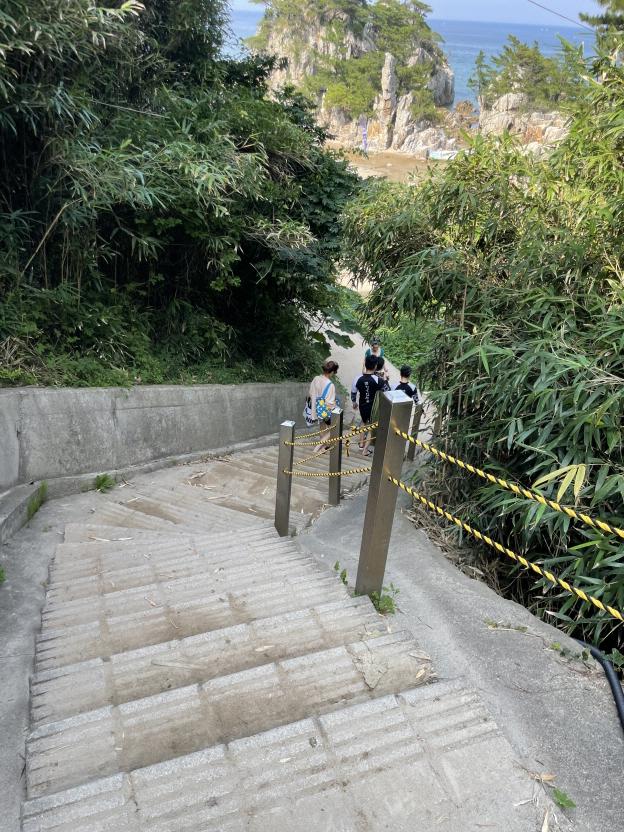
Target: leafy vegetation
547	82
342	573
563	800
37	500
155	202
609	25
104	483
521	260
347	76
407	341
2	575
385	601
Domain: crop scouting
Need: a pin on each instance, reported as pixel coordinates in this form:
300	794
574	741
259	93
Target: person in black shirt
382	375
406	385
363	394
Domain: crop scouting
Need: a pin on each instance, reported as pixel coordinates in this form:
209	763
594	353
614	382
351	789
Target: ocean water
462	40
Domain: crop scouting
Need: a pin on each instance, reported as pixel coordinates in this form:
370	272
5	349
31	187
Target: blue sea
461	40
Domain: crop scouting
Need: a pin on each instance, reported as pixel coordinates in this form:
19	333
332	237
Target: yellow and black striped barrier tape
527	564
344	473
519	490
345	436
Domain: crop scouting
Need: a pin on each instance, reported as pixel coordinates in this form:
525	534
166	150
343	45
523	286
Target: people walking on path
322	400
363	392
382	374
407	386
375	349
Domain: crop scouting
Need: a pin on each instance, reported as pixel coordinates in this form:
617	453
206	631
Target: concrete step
188	509
143	512
429	759
194	611
267	466
166	592
121	516
124	737
76	562
178	565
246	487
74	689
92	533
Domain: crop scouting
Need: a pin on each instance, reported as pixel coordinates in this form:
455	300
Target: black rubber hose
612	678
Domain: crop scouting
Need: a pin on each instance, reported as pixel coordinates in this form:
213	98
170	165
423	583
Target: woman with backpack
322	400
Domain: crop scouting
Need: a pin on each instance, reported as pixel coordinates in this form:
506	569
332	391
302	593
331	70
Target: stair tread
405	756
154	563
92	684
165	589
192	613
183	720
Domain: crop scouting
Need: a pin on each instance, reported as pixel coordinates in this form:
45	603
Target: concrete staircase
196	673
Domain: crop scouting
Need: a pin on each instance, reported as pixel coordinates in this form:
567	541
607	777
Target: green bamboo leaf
567	481
554	475
484	360
579	479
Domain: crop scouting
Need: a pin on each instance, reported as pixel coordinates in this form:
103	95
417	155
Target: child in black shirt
363	394
406	385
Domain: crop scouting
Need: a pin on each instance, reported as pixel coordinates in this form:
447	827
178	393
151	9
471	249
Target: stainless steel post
335	457
395	409
411	448
285	460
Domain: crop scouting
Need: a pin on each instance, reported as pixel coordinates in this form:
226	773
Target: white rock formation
512	112
393	124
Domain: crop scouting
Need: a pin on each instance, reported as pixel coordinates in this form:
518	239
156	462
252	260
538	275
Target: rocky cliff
538	130
330	53
394	124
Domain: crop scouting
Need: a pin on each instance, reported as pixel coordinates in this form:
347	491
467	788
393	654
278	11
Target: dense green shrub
547	82
522	259
158	211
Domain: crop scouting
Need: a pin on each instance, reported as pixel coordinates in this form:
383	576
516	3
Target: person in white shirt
322	388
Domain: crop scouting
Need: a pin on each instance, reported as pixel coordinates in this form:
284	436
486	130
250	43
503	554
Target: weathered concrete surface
49	434
181	643
428	759
14	509
557	714
25	560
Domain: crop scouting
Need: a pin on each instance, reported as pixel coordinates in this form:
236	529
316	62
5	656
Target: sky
505	11
517	11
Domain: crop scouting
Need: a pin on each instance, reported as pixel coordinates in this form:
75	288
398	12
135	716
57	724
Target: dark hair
330	366
406	371
370	362
380	362
375	342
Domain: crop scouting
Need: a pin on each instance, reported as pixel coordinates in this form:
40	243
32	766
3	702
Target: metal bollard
285	460
335	457
395	410
411	448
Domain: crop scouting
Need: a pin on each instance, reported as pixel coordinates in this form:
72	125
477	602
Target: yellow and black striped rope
527	564
344	473
519	490
345	436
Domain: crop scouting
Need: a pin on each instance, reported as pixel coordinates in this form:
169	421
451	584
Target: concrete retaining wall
51	434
